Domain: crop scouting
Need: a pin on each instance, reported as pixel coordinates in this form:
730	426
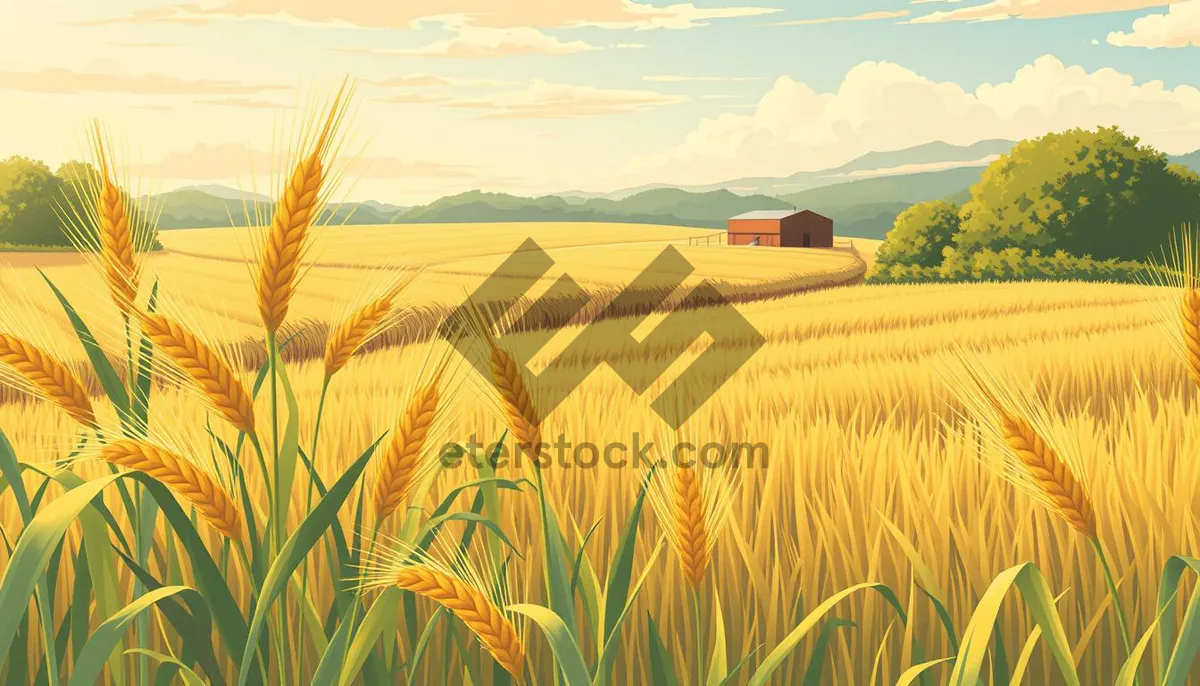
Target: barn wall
743	231
819	229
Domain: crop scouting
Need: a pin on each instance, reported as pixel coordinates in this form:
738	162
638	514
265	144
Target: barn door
807	240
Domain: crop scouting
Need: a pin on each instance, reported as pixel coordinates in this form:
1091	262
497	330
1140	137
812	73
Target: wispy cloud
544	100
476	42
425	80
70	81
1033	9
144	45
868	16
674	78
616	14
244	103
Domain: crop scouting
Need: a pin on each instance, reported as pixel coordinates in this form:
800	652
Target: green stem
699	637
312	468
143	621
278	526
1118	609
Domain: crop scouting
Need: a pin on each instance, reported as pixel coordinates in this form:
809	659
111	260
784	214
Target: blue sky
533	97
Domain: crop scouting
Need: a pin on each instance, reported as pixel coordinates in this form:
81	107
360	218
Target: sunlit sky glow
531	97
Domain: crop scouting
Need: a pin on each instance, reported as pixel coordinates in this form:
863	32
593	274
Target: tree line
1080	204
37	205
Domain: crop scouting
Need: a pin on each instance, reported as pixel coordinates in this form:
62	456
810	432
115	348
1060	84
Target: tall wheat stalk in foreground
1032	455
298	205
692	496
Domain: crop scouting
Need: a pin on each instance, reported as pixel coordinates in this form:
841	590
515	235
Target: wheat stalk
207	369
49	377
402	465
1061	488
117	252
472	607
691	526
515	400
287	238
181	476
1189	311
1038	467
355	331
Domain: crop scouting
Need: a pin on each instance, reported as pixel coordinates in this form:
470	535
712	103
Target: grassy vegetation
935	453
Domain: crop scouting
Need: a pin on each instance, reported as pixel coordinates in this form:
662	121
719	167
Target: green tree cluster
1065	204
35	202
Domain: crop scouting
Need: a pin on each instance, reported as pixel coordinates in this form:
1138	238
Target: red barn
782	229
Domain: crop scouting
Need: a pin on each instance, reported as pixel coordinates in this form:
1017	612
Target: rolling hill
660	206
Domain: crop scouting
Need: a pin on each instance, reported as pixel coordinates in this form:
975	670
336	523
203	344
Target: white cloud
884	106
1178	28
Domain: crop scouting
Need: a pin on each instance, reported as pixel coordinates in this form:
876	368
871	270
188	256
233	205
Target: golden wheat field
867	458
209	268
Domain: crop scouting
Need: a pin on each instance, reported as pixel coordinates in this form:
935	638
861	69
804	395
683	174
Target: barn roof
767	214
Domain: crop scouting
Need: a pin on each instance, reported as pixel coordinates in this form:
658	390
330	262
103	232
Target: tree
28	195
1086	192
920	234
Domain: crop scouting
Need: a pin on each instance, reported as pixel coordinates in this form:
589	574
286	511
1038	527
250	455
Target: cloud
426	80
869	16
232	160
1178	28
1035	9
622	14
884	106
672	78
244	103
543	100
473	42
147	44
70	81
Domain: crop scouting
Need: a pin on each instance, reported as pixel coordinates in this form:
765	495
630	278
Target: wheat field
861	430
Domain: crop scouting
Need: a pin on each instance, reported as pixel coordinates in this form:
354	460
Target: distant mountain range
863	197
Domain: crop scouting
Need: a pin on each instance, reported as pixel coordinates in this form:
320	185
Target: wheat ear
351	335
211	374
691	525
473	608
49	377
1063	490
117	251
181	476
402	462
1190	320
287	237
518	406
